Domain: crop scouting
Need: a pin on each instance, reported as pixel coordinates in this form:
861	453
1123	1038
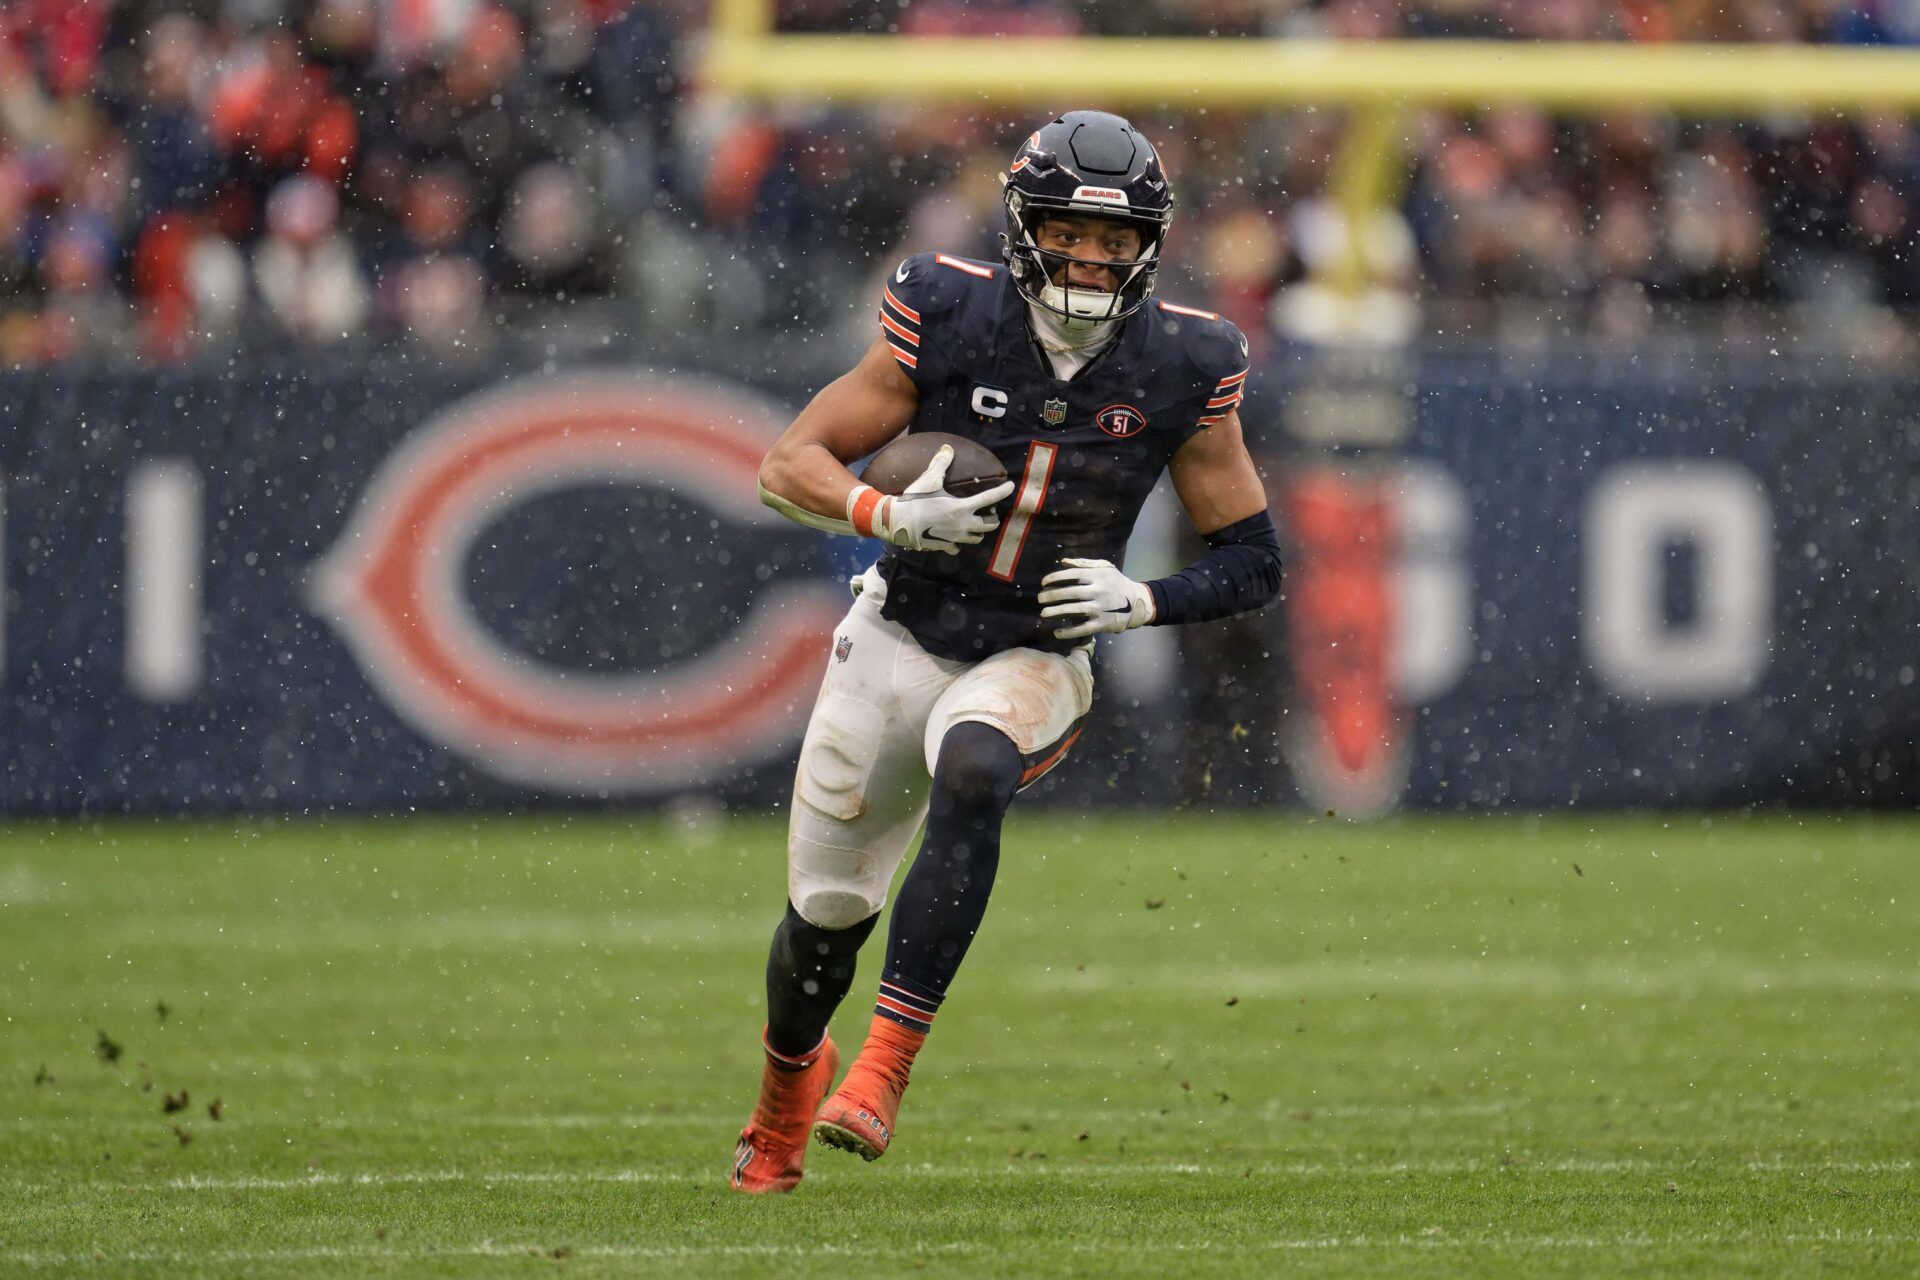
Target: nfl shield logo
1054	412
843	648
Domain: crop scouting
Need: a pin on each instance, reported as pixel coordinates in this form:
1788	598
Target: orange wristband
861	505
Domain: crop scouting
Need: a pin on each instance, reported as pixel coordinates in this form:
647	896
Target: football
899	464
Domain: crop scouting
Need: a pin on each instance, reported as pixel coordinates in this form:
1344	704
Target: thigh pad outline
837	760
1033	697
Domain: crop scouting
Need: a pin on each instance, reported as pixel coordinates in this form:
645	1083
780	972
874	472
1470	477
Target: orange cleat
859	1117
768	1157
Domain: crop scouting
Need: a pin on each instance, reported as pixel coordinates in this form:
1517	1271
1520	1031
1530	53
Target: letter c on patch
990	402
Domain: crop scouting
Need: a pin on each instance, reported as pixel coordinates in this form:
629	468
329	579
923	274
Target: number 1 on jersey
1026	505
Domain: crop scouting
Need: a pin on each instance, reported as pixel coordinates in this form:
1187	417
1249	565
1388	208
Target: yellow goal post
1376	81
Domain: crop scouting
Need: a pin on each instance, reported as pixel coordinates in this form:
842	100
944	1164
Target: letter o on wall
1633	515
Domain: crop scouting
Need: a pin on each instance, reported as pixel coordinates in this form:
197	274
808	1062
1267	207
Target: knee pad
834	908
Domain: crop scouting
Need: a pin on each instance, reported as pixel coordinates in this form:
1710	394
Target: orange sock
860	1115
888	1054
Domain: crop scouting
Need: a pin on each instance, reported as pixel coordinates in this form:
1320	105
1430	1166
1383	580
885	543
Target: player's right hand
927	518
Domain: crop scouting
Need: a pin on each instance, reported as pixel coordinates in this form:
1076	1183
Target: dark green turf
1470	1047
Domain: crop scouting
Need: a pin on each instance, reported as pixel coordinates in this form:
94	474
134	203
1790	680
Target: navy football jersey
1083	453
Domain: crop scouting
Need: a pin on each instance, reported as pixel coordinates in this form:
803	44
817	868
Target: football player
963	671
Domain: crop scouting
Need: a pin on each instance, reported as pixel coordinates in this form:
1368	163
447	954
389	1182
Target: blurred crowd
185	177
176	177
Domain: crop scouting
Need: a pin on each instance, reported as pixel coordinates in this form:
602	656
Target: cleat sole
829	1134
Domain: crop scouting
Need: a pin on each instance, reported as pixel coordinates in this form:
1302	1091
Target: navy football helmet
1087	163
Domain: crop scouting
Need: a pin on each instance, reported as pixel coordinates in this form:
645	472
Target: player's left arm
1215	478
1220	488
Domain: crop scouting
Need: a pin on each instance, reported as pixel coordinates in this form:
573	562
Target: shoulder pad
1214	344
1217	351
933	283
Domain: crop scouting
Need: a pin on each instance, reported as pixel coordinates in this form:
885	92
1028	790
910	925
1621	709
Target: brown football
973	470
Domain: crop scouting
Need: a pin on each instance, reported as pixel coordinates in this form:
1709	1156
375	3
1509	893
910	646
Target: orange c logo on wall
394	587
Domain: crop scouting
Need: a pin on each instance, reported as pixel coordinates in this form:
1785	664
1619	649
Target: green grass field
490	1047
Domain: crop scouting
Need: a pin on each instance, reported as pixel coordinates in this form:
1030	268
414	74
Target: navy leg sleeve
809	970
944	897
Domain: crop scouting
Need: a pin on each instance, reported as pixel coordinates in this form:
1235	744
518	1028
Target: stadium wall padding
395	586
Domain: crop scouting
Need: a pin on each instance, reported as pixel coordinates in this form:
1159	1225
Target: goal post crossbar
1377	81
1689	78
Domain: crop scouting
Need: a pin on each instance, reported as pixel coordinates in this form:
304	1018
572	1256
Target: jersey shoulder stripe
1227	393
898	329
900	308
899	322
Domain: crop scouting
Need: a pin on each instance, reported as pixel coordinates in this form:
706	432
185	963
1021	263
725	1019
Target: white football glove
928	518
1092	596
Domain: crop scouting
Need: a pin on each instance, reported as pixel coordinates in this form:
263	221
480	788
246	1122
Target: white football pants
860	794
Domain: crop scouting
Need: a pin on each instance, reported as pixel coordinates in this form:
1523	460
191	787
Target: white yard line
494	931
1185	1110
1066	1166
414	1178
895	1250
1679	976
